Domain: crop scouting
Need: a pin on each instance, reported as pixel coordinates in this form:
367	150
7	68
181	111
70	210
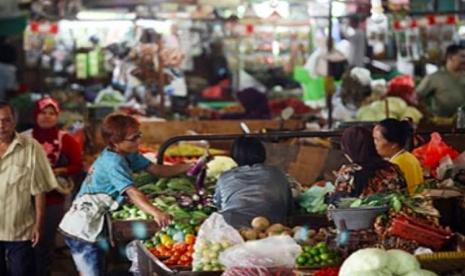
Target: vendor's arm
167	171
141	201
39	204
138	162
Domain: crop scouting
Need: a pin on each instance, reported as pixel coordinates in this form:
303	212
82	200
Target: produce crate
442	262
424	234
129	230
150	265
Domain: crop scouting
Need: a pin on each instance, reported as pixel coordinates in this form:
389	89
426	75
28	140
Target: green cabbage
218	165
367	113
401	262
398	109
413	113
364	260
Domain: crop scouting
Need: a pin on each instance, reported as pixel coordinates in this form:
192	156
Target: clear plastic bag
271	256
215	235
131	254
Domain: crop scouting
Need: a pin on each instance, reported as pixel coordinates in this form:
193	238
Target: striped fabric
24	172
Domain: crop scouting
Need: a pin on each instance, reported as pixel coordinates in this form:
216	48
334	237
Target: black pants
18	257
44	250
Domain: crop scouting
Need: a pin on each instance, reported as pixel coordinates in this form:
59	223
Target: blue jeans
88	257
16	258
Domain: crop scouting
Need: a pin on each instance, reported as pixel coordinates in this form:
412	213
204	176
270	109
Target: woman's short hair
248	151
115	127
397	132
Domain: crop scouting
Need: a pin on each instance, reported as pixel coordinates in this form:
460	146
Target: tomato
160	247
155	252
170	262
164	253
190	239
181	247
184	258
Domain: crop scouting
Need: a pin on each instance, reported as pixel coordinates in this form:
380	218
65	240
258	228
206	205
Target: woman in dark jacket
252	189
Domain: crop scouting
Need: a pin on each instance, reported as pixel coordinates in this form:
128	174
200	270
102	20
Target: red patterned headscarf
48	138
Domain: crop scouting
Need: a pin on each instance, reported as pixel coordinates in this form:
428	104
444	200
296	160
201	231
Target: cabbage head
401	262
364	260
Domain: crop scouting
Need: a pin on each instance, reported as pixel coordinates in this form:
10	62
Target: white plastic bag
271	256
132	255
215	235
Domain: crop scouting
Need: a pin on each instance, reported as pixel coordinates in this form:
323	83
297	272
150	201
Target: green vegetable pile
317	256
394	200
165	203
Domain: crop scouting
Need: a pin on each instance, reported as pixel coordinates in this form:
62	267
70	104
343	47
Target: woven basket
442	262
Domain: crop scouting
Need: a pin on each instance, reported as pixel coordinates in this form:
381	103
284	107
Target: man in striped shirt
25	174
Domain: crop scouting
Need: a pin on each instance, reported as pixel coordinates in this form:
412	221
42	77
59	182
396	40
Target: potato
277	227
249	234
260	223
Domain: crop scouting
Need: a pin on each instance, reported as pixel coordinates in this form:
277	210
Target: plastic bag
313	199
403	87
271	256
132	255
214	236
431	154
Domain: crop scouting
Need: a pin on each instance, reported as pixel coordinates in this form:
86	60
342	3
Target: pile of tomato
175	254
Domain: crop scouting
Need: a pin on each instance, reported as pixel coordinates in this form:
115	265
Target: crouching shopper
108	181
25	173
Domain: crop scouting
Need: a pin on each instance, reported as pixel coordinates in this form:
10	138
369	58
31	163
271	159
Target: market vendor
253	188
391	137
367	172
444	91
108	180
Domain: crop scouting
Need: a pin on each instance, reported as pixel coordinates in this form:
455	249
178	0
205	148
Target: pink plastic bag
431	153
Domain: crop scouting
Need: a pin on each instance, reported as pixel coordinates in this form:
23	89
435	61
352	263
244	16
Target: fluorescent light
106	15
160	26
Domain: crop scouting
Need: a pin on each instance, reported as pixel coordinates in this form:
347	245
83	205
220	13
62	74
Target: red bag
403	87
432	152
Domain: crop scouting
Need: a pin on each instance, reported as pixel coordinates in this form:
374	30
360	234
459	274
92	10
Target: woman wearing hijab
367	173
65	156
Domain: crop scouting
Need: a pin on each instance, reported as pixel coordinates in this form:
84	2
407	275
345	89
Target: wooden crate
304	163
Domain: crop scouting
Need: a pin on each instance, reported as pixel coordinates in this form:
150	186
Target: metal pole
329	79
